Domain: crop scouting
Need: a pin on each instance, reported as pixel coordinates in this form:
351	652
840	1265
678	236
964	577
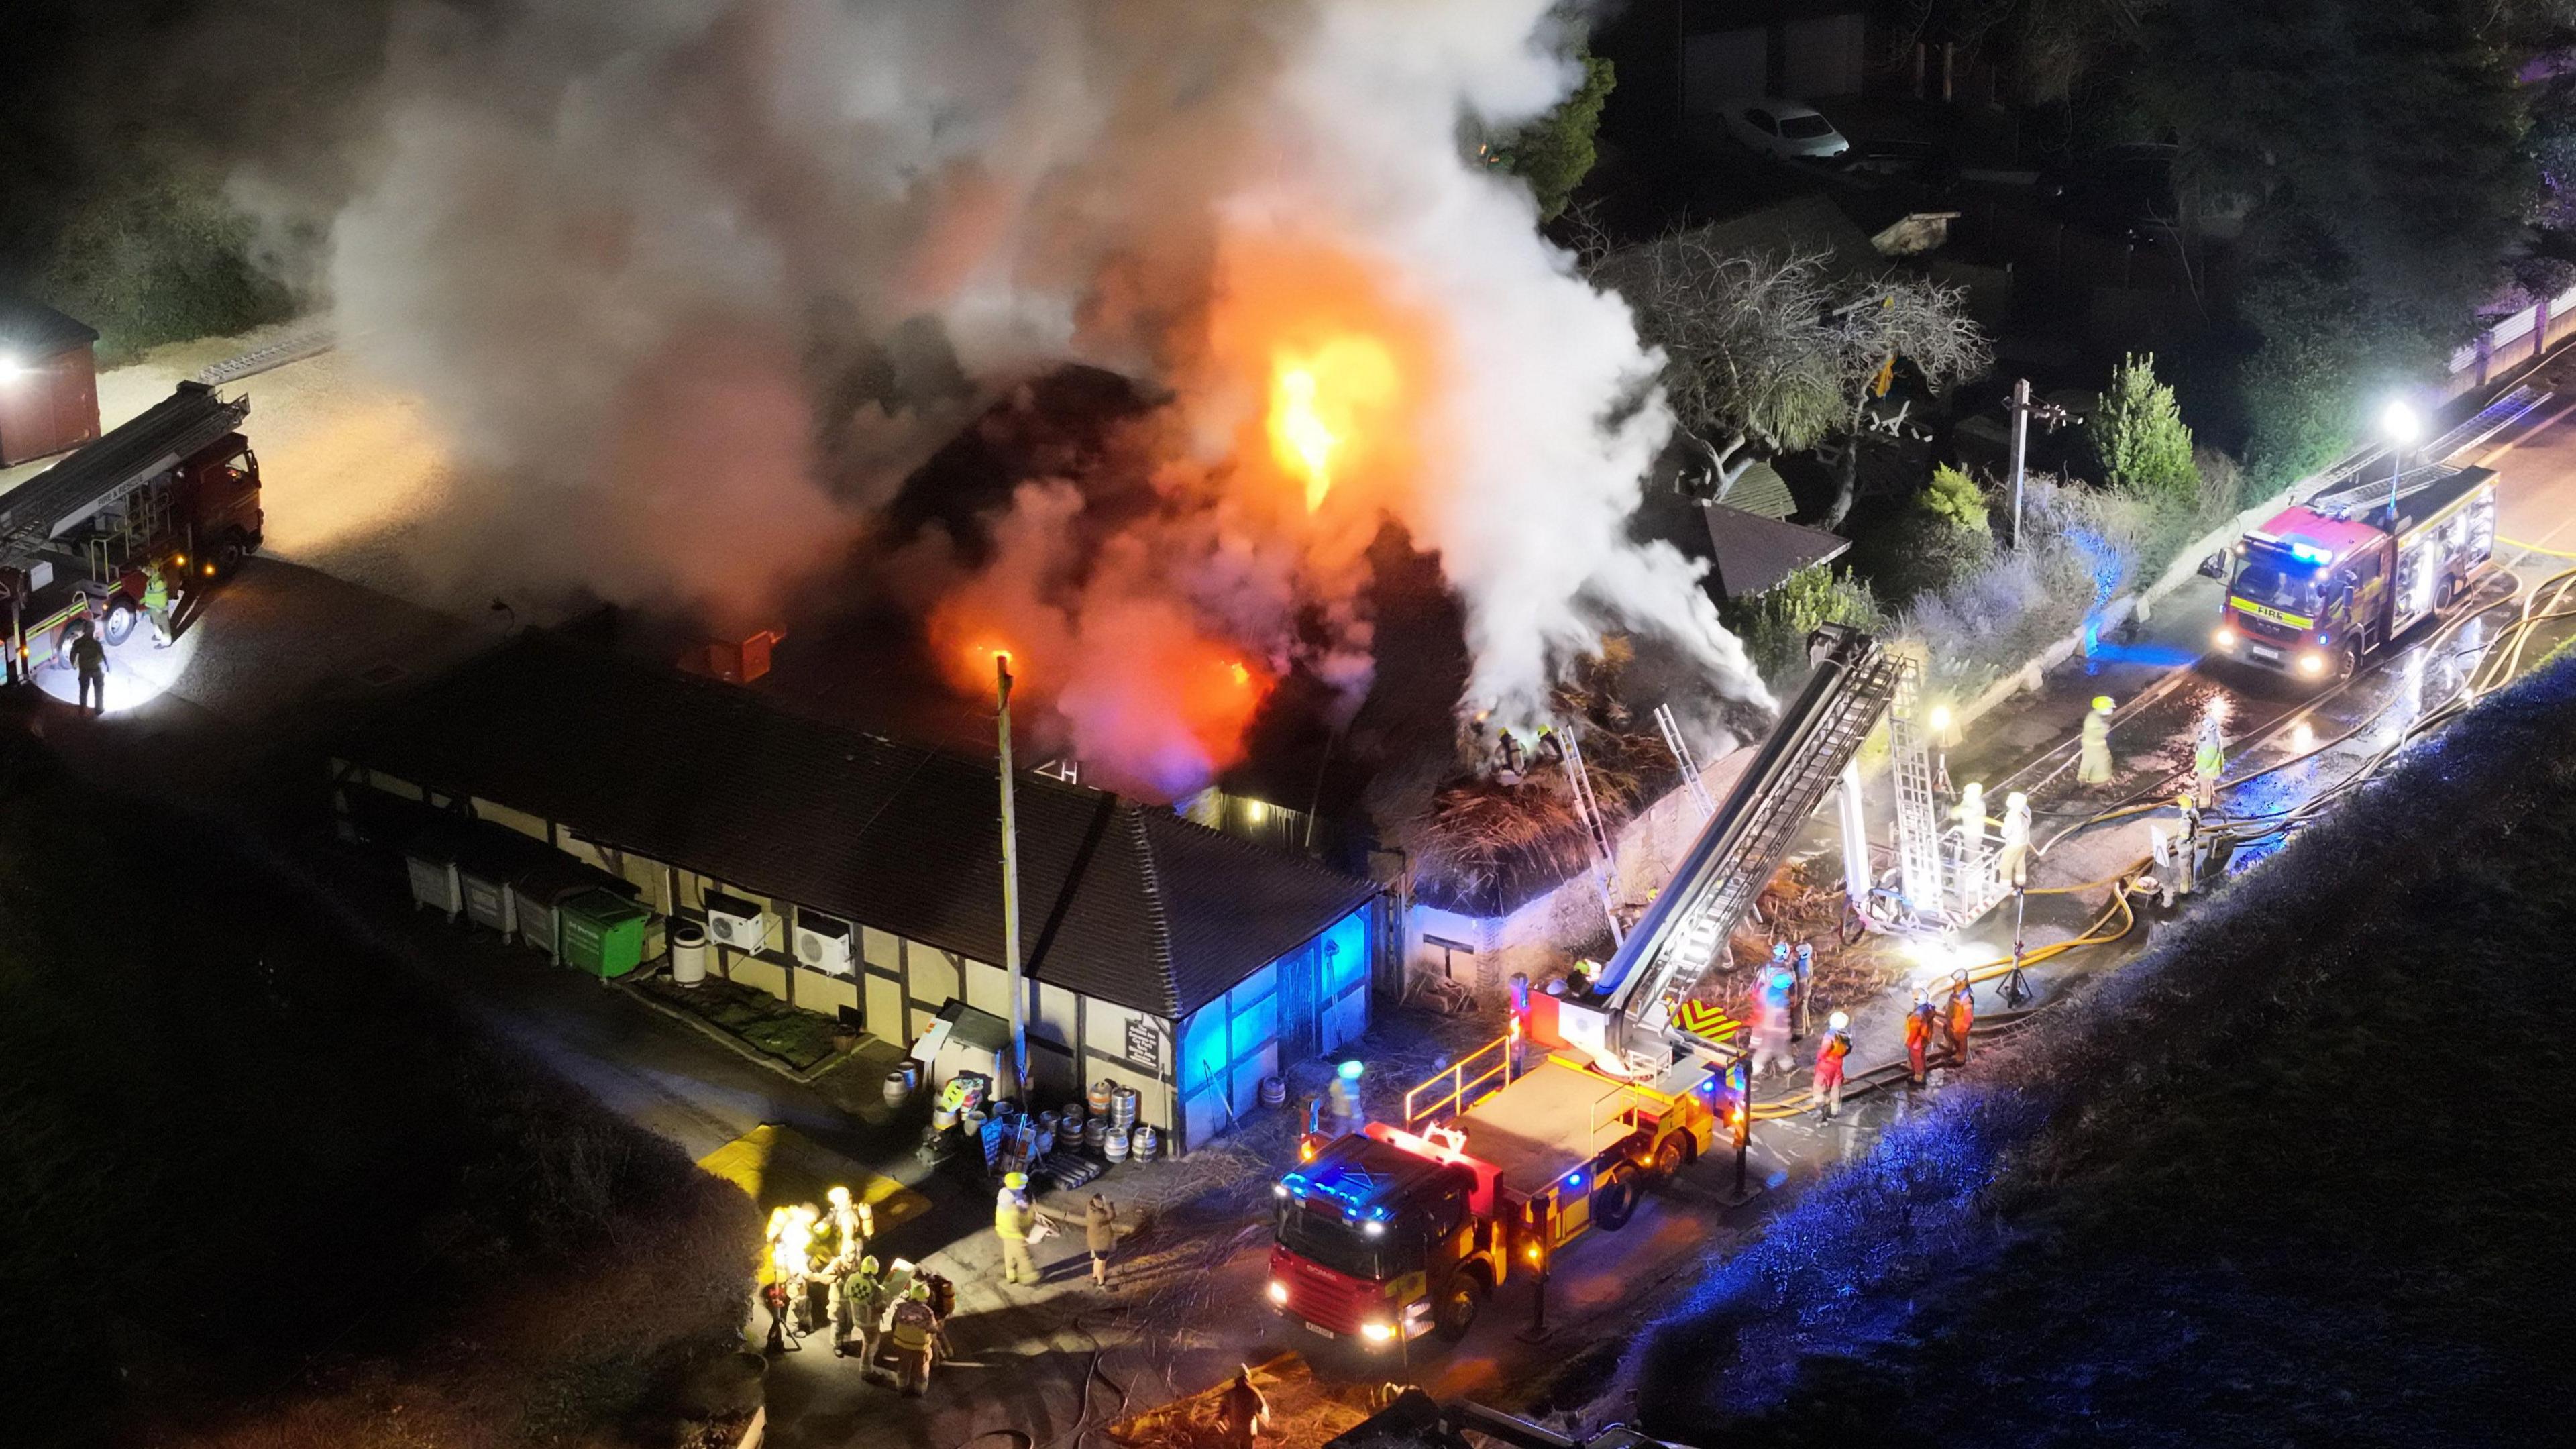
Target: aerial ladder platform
55	502
1629	1014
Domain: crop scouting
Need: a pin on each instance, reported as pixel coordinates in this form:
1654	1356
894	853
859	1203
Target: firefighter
1100	1235
1241	1413
2185	875
1960	1016
2013	863
911	1325
2208	757
2094	765
851	1225
1829	1066
857	1310
1806	973
1918	1034
1015	1216
1780	961
156	604
1771	1023
89	662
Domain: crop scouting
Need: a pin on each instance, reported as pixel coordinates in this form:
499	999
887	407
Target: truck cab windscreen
2277	583
1322	1237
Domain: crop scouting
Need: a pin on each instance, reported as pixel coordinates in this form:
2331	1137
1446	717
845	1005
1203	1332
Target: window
2276	585
1761	120
1805	128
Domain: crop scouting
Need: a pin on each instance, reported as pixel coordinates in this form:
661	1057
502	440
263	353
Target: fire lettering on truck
2248	606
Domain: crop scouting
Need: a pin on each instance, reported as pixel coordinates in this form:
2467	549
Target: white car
1783	128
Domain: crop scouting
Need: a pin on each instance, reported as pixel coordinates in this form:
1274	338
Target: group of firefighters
819	1275
87	653
1781	1010
1782	1015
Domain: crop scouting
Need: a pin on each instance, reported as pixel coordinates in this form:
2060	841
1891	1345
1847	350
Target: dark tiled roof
1118	900
1755	554
35	330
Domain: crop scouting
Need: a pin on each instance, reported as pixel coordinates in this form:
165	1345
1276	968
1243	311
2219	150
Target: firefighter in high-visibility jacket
2208	759
910	1327
857	1311
1015	1217
1960	1016
1918	1034
2093	767
1829	1065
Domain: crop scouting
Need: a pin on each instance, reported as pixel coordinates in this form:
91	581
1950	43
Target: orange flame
1318	402
1242	676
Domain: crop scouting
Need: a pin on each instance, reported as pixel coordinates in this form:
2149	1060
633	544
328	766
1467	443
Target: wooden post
1011	888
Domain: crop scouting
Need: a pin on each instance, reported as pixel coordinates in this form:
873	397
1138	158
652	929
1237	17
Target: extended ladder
1588	807
1673	741
1684	932
1918	815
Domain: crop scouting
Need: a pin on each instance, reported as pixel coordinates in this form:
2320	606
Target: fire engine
1393	1231
2322	586
177	486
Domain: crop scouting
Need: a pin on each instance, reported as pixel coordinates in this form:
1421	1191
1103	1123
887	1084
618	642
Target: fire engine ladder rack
2345	490
1588	807
1681	934
1673	741
1460	1077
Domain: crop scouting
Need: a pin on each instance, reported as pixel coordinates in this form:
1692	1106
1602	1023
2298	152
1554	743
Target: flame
1318	402
1242	676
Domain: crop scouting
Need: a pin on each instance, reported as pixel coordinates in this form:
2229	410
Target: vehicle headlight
2222	637
1278	1189
1378	1332
1278	1292
2312	663
1374	1230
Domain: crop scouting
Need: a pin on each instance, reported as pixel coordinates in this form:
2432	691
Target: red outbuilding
48	382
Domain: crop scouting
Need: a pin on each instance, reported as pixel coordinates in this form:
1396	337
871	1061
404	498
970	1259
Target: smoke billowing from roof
693	285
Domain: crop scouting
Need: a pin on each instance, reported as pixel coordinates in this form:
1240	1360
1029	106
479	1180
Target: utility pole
1011	889
2023	410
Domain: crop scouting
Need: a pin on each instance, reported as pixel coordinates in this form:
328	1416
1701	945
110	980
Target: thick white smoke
691	285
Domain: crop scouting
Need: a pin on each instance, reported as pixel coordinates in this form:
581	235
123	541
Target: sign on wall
1141	1038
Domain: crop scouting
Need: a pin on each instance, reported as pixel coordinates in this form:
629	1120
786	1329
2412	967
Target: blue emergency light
2309	553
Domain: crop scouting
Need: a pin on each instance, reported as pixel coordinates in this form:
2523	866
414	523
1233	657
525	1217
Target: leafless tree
1772	353
1880	322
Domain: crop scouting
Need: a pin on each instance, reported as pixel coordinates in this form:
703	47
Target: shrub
1955	499
2080	548
2139	435
1774	626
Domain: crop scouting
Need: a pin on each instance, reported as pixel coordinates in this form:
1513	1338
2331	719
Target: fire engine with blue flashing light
1393	1232
2327	584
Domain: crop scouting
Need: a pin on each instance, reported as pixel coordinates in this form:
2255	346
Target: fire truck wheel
1459	1306
2345	663
120	622
229	555
2446	595
1669	1158
1615	1200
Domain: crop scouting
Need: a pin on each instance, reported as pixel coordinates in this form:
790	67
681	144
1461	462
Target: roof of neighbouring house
1118	900
1755	554
36	330
1760	489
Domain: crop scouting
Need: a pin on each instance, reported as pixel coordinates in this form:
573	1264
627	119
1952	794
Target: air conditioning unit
735	923
823	943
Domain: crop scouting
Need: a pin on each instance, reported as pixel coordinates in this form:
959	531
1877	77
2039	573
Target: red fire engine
2320	587
177	486
1393	1232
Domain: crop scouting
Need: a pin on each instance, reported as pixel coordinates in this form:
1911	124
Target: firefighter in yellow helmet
2093	764
910	1326
859	1311
1015	1217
